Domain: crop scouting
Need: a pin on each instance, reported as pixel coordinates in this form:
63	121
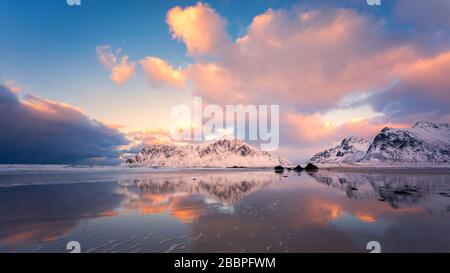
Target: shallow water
224	211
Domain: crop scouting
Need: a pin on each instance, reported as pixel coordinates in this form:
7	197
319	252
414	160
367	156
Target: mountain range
220	153
426	142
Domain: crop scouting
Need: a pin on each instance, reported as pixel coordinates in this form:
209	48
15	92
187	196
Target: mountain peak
350	150
425	142
216	153
429	124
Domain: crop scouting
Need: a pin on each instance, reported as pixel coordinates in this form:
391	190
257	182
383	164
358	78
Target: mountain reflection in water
230	211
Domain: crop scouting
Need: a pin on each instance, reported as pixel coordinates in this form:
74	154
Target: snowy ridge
220	153
426	144
350	150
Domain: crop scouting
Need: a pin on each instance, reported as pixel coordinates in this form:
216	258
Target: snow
426	144
220	153
350	150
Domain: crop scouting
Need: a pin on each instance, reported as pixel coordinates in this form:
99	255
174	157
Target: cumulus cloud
121	71
310	59
35	130
160	71
199	27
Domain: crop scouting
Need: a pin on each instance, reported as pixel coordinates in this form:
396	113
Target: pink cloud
308	58
429	74
309	129
161	71
121	71
199	27
304	135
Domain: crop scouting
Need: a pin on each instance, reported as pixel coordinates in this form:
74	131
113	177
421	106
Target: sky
80	84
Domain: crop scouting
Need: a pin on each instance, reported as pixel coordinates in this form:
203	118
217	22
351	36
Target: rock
402	192
279	169
298	168
311	167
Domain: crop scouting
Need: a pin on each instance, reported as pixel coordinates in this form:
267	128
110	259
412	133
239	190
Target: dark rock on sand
311	167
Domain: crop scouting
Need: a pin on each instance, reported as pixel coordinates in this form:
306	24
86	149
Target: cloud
160	71
140	139
199	27
35	130
421	90
121	71
413	13
303	135
307	59
13	86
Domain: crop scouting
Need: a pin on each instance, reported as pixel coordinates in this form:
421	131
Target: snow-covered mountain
219	153
350	150
426	142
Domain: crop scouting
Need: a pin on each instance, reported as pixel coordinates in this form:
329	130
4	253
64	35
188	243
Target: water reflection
227	188
189	197
431	191
257	211
35	214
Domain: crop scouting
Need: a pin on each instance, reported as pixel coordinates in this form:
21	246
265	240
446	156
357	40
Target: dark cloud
38	131
422	91
429	15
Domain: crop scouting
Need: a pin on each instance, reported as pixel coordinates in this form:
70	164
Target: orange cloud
199	27
159	70
212	81
121	71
